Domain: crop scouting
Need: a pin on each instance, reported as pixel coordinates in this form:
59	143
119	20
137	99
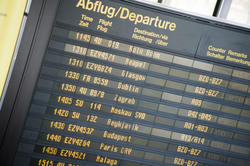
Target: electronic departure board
128	84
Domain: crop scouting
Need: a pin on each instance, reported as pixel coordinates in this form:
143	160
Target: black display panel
125	84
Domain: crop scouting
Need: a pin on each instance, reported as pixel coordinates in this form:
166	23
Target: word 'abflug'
125	14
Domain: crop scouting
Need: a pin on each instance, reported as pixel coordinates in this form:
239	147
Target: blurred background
237	11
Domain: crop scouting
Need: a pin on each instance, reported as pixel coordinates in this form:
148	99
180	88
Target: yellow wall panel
11	15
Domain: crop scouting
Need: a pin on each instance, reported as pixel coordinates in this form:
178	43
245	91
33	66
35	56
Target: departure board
126	84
